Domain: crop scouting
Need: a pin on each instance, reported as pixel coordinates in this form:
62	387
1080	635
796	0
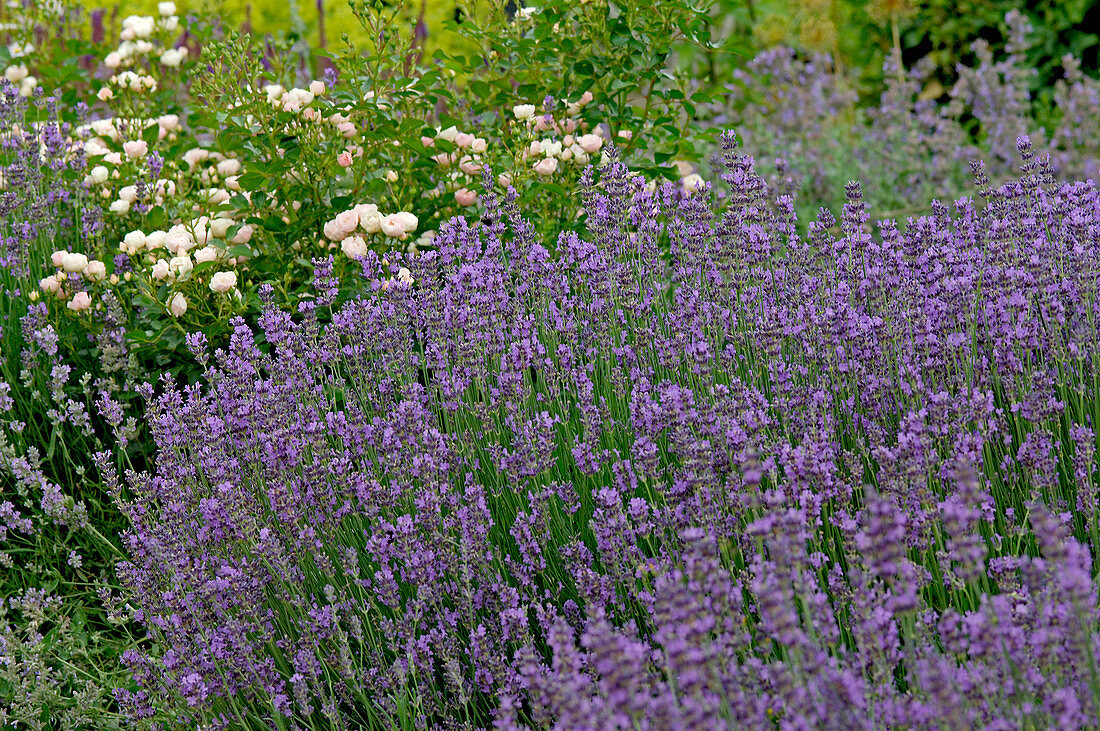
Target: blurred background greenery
858	33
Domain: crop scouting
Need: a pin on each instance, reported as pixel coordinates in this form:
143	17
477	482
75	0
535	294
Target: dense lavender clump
799	116
681	472
39	178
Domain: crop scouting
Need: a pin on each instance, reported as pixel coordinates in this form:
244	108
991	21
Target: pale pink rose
524	111
535	148
442	158
57	257
408	221
178	239
128	193
333	232
590	143
626	134
469	167
354	247
49	284
546	166
160	269
96	271
195	156
464	139
222	282
135	148
317	88
427	141
586	97
344	158
105	94
169	122
347	129
391	226
178	305
311	115
570	125
243	235
465	197
113	60
567	141
450	134
391	176
479	146
80	301
504	179
347	221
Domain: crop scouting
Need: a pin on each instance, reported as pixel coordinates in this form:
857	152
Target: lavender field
594	365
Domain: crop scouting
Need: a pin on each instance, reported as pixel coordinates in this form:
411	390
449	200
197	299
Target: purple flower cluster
39	183
687	470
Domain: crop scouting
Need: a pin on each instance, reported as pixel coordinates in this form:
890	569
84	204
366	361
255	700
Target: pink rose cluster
351	227
468	158
567	141
74	270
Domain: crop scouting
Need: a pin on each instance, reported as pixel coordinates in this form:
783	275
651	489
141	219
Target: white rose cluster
144	36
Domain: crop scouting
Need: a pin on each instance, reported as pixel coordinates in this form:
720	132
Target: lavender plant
57	648
800	115
686	470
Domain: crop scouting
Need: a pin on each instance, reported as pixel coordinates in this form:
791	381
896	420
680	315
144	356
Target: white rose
72	262
223	282
133	242
354	247
171	58
96	271
155	240
391	226
219	227
206	253
370	221
181	265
